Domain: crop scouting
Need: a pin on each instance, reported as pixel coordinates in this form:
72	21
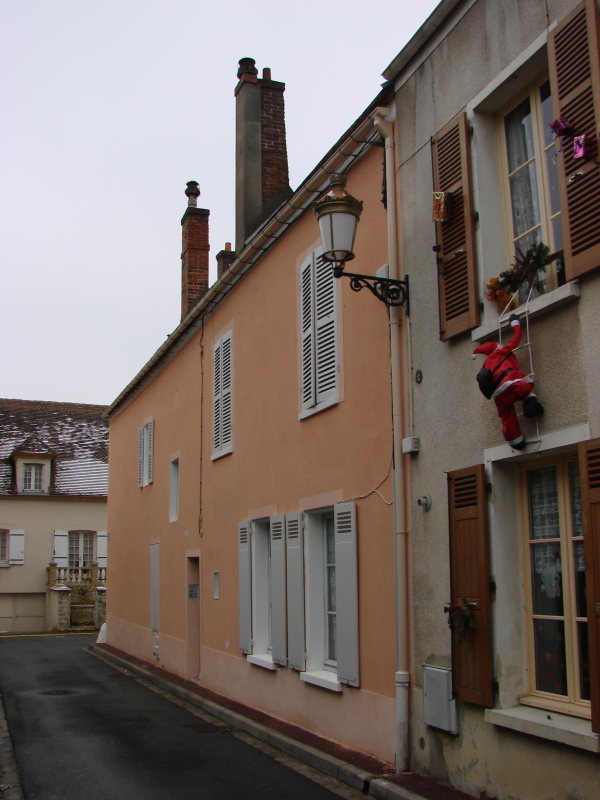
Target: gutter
337	159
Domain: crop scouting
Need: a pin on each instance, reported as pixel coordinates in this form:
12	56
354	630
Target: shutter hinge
471	130
488	486
480	307
492	590
476	216
436	248
496	686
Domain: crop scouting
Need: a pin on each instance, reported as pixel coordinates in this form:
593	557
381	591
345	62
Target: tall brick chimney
194	250
262	177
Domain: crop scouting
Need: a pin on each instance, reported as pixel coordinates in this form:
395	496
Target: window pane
73	549
88	548
550	667
519	135
580	579
575	490
3	546
27	476
546	579
332	638
330	541
547	115
584	660
553	181
524	199
543	503
331	589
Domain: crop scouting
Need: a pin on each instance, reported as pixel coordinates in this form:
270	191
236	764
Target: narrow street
83	730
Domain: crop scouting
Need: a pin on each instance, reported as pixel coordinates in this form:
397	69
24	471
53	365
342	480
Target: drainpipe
385	127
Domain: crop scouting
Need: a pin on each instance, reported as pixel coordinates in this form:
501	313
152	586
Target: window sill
573	731
262	660
322	678
539	305
309	412
221	453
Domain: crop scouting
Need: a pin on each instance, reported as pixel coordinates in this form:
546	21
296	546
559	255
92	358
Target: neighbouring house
250	471
53	537
510	707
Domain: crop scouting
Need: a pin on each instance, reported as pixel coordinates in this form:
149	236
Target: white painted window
33	477
81	548
154	587
223	396
3	547
174	491
318	328
331	597
145	453
216	585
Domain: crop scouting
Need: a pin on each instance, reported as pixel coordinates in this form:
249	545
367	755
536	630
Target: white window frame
174	490
33	473
146	454
222	437
319	356
80	537
262	594
4	546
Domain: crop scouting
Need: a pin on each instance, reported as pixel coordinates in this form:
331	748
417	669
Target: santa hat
485	349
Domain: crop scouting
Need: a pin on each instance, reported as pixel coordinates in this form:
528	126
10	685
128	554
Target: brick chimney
225	259
262	177
194	250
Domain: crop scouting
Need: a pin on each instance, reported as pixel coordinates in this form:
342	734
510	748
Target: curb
330	765
10	782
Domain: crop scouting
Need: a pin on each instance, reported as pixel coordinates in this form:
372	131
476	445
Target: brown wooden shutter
459	307
470	581
589	466
573	51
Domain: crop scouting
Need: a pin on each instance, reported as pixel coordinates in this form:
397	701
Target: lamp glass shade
338	230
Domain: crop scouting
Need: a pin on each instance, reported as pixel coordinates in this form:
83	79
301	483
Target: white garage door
22	613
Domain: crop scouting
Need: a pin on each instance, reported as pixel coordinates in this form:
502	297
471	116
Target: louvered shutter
140	457
574	52
16	547
346	573
459	307
278	590
217	441
295	591
325	331
101	548
226	382
470	582
150	452
245	587
155	587
589	466
308	334
61	548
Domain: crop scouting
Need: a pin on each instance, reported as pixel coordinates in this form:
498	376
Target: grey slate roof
76	435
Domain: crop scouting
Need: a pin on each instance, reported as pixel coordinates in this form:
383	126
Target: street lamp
338	214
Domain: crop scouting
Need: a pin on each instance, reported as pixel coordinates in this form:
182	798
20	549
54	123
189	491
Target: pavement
112	726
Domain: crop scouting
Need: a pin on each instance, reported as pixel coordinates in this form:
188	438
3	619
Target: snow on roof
74	434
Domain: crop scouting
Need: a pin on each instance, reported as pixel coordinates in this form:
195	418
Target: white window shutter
278	592
101	548
155	587
140	457
226	391
347	593
217	442
16	547
295	591
307	324
61	548
245	598
326	367
150	453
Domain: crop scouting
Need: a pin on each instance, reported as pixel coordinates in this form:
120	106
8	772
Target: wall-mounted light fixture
338	214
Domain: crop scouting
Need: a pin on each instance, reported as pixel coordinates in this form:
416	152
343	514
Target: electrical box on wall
438	706
410	444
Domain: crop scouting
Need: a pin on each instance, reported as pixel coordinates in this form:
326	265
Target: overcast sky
108	109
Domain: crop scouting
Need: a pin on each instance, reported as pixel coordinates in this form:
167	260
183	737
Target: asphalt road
84	731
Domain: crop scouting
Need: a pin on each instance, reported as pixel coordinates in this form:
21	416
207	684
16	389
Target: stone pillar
100	606
58	608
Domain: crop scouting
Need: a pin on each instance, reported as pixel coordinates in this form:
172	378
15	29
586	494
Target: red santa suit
510	385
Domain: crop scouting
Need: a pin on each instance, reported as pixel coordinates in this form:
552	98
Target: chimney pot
246	67
227	245
193	193
266	73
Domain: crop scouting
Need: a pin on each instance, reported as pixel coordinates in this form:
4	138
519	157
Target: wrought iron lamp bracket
391	292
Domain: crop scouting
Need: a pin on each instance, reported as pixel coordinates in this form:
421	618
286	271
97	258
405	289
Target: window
33	476
318	322
3	547
174	491
555	581
331	598
145	453
531	179
222	396
262	590
216	585
81	548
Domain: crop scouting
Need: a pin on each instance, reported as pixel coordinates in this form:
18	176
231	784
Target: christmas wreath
460	618
526	269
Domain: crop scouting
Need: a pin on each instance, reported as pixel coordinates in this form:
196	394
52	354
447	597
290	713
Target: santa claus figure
502	379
